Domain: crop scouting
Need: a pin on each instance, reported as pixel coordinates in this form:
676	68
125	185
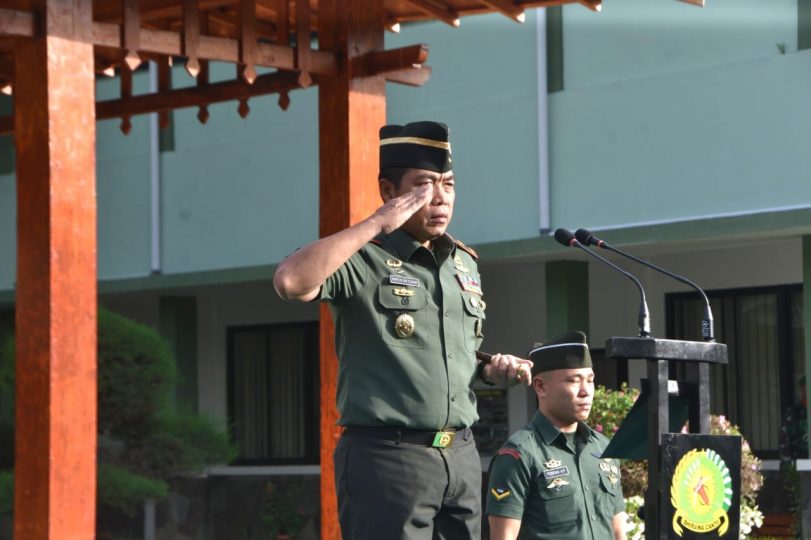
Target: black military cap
418	145
569	351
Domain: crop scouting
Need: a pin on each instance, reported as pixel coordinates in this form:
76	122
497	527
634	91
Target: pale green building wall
668	112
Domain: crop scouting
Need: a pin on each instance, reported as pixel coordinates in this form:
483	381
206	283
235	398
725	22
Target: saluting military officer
408	309
548	481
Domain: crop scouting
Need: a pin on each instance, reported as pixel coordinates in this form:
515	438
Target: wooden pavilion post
351	111
55	136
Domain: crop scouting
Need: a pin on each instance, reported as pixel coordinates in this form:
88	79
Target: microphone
586	237
565	237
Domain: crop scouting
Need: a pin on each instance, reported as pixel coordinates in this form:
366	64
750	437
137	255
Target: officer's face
565	395
431	220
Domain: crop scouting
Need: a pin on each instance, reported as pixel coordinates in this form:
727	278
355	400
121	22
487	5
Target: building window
273	396
763	331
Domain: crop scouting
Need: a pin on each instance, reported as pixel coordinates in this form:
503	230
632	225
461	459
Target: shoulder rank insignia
553	464
469	250
509	452
500	493
557	483
394	263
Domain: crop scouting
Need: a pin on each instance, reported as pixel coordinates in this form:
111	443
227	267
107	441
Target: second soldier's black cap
418	145
568	351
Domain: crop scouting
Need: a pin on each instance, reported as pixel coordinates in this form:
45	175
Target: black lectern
717	490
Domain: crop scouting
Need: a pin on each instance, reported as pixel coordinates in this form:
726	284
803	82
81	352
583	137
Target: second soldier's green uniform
560	490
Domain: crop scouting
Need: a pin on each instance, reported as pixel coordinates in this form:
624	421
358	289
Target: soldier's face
432	220
565	395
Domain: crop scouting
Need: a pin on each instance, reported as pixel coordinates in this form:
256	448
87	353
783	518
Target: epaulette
468	249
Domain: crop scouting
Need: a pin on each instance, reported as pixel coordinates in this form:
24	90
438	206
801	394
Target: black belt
437	439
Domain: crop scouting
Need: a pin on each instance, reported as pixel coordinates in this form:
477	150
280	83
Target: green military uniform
558	491
408	323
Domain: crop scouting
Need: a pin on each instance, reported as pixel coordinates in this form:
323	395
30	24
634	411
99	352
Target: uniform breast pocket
403	316
473	320
558	504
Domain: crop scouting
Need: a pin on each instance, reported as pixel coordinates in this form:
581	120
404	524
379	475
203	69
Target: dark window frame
785	344
311	384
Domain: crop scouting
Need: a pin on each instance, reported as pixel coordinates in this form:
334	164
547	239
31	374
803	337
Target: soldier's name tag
469	283
404	280
555	473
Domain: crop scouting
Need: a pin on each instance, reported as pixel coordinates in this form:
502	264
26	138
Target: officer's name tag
404	280
554	473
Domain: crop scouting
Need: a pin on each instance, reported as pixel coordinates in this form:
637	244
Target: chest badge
557	484
394	263
605	467
469	283
403	291
404	326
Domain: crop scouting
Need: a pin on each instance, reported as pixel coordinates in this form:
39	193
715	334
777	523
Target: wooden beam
416	76
247	38
56	432
508	8
378	62
351	110
443	12
196	96
303	52
16	24
594	5
191	36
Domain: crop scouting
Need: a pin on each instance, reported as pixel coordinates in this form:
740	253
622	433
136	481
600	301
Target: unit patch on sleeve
509	452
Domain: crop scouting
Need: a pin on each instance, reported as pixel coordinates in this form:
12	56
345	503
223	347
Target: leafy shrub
6	493
125	491
141	442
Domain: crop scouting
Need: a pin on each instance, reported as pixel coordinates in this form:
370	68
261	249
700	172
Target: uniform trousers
388	488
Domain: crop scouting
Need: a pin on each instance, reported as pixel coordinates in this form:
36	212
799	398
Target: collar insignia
459	264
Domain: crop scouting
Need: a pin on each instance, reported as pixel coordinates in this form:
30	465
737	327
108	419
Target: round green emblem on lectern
701	493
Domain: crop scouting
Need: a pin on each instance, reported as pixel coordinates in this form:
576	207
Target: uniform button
453	399
587	488
593	518
447	313
450	355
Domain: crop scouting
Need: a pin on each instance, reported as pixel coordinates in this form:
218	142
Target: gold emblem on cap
394	263
403	291
553	464
404	326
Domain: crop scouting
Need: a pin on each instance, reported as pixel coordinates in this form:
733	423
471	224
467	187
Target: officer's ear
539	385
387	190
